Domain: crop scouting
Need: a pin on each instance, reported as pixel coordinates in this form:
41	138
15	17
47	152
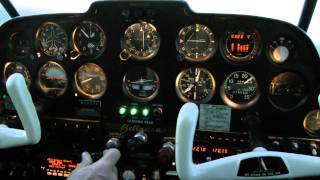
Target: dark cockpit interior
117	75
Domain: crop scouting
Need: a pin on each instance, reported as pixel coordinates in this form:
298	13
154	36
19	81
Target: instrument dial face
52	79
52	39
89	39
196	43
19	44
16	67
91	81
287	91
141	41
241	45
311	123
141	84
195	85
280	49
240	90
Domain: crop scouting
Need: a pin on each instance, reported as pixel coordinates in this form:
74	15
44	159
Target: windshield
271	9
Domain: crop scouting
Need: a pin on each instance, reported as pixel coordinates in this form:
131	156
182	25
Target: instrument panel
123	67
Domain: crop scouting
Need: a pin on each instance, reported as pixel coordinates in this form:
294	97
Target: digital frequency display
240	44
58	167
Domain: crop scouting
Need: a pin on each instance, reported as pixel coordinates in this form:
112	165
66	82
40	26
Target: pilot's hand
103	169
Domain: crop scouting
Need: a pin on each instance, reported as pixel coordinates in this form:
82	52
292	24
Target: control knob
137	141
166	155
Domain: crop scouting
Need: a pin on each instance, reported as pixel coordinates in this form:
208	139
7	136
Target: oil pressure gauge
195	85
240	90
141	41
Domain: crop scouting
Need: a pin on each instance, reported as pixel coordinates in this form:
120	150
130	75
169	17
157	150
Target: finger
86	159
109	159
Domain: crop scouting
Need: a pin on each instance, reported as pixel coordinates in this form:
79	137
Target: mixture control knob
294	146
128	175
113	143
314	149
166	155
137	141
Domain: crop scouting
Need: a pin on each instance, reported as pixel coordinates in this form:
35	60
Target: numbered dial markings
195	85
141	41
53	40
196	42
89	39
240	90
280	49
90	81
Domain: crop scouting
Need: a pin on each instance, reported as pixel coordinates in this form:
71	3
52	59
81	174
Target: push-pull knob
166	155
137	141
113	143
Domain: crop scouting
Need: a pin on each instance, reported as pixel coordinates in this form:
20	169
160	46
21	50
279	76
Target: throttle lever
252	122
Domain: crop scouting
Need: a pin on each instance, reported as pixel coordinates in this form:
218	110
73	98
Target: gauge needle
189	39
248	80
195	93
197	75
86	80
195	40
142	38
188	88
85	34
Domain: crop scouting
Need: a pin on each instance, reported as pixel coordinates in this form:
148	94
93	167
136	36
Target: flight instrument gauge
141	84
53	40
280	49
52	79
16	67
196	43
240	90
195	85
287	91
311	123
241	45
89	39
141	41
90	81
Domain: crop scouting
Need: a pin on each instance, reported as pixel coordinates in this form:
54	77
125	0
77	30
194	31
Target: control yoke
22	101
267	164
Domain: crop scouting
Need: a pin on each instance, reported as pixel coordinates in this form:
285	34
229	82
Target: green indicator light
145	112
133	111
122	110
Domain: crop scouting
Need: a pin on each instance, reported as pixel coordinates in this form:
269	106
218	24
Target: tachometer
196	42
90	81
287	91
53	40
52	79
16	67
141	41
195	85
141	84
241	45
89	39
240	90
311	123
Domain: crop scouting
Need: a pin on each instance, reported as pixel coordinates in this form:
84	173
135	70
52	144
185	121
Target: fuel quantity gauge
280	49
195	85
141	84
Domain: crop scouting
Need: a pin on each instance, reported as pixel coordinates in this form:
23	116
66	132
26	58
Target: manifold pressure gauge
141	41
195	85
196	43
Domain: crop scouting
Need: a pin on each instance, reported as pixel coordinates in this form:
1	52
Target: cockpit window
314	28
4	16
286	10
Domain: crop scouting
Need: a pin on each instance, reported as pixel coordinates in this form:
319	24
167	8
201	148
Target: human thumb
86	160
